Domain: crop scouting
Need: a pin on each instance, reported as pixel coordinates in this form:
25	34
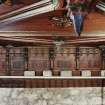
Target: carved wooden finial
8	2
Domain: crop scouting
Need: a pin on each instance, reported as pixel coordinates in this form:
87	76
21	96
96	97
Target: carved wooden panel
65	60
17	61
97	58
38	59
2	61
90	58
83	59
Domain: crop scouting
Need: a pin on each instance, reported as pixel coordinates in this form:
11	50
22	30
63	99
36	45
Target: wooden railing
16	60
42	66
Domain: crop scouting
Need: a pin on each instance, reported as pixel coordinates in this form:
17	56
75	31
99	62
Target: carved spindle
102	49
51	58
26	58
8	59
77	57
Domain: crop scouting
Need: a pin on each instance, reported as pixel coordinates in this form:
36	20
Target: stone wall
51	96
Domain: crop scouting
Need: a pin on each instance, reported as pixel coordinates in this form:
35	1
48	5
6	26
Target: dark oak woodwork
92	26
27	2
8	2
36	36
89	58
39	83
4	9
14	62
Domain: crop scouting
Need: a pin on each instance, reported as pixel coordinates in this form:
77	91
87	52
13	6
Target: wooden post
26	58
102	49
8	60
51	58
77	57
8	2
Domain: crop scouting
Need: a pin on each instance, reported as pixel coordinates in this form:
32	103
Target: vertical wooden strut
8	2
8	60
102	92
77	57
102	49
26	59
51	58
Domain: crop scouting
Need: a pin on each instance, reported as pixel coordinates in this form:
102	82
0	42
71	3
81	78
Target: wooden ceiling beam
26	12
75	41
34	9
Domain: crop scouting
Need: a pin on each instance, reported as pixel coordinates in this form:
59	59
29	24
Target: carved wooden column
8	2
102	49
26	58
8	60
77	57
51	58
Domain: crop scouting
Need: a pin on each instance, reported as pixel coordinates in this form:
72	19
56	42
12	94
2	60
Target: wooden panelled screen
14	61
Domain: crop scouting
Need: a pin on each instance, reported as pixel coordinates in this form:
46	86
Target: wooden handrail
52	77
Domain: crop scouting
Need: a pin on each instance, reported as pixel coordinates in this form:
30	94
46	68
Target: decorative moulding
86	73
102	72
29	73
66	73
47	73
